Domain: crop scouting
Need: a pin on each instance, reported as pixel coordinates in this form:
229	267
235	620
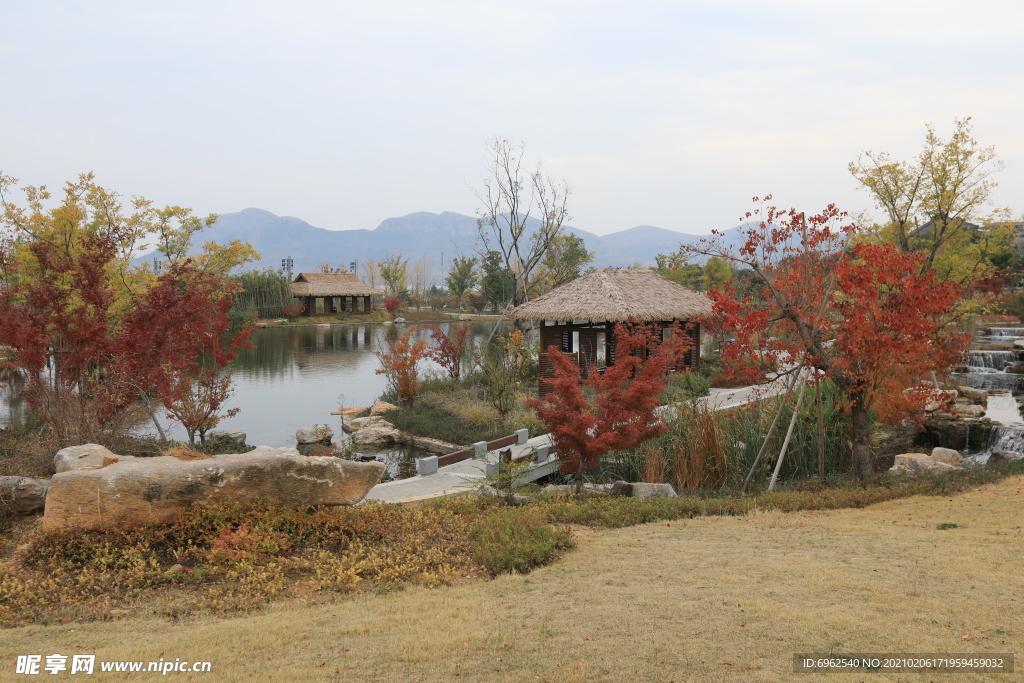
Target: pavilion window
319	306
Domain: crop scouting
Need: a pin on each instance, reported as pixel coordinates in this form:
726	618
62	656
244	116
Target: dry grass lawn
714	599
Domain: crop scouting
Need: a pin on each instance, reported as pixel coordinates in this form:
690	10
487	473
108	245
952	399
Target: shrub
516	540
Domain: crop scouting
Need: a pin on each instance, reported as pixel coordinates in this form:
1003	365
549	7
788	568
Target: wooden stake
789	433
821	437
771	431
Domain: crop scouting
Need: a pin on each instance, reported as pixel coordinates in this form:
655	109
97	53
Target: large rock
642	490
148	489
381	407
968	410
86	456
314	434
23	495
946	455
236	437
977	396
377	435
919	462
355	424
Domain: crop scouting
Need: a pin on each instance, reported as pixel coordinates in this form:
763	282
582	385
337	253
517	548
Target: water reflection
295	376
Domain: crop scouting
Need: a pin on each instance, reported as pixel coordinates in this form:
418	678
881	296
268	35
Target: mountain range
439	237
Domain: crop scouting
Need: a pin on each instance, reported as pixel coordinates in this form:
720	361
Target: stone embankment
956	417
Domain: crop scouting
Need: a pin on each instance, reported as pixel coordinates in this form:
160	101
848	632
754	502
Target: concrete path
466	475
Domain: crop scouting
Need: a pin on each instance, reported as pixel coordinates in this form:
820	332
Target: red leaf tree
92	335
618	411
450	347
866	315
400	362
392	304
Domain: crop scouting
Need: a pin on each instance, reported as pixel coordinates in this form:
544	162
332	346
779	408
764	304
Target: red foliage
865	315
400	365
621	413
88	354
392	304
292	309
450	347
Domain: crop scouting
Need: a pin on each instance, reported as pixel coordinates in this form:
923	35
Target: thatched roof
331	284
617	295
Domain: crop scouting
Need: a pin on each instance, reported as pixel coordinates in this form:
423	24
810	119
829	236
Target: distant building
333	293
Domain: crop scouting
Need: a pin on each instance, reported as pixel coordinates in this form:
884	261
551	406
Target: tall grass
705	449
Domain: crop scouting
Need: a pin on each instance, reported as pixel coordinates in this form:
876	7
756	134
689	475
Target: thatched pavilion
333	293
579	317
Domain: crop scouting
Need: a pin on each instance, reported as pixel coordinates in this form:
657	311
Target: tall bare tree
421	275
509	200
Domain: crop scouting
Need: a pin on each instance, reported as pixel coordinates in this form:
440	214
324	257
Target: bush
516	540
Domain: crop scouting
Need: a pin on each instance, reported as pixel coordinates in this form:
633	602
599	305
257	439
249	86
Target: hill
438	236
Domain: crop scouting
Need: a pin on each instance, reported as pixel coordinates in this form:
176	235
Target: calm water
295	376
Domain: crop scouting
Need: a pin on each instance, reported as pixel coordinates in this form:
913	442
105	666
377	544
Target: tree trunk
860	431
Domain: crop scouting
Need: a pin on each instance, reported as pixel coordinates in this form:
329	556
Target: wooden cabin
579	317
333	294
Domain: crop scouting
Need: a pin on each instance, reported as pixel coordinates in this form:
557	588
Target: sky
343	113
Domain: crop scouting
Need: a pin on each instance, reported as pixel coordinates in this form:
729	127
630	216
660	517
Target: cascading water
990	360
1017	332
986	369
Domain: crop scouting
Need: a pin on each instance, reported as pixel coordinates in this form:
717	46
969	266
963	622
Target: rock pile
940	460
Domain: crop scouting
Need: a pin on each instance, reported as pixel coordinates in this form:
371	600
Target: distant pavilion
580	317
333	293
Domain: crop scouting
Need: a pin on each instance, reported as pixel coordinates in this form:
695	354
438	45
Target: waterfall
1007	439
994	360
1006	332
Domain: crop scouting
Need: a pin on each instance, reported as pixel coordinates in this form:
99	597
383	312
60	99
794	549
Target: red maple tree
392	304
400	362
864	315
619	410
91	334
450	347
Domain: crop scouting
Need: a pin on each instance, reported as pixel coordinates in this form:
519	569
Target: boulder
1018	343
645	491
23	495
977	396
919	462
235	437
946	455
377	435
355	424
642	490
161	488
968	410
381	407
314	434
86	456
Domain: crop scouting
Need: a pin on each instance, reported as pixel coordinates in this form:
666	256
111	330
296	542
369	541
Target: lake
294	376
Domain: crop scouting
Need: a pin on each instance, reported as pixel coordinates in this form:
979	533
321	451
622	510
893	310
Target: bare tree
508	200
421	275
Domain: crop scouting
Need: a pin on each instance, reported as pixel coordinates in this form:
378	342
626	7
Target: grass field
709	599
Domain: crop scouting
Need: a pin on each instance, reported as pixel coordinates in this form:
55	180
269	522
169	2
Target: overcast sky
346	113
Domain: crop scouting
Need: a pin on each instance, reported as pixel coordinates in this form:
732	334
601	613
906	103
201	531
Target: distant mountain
438	236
